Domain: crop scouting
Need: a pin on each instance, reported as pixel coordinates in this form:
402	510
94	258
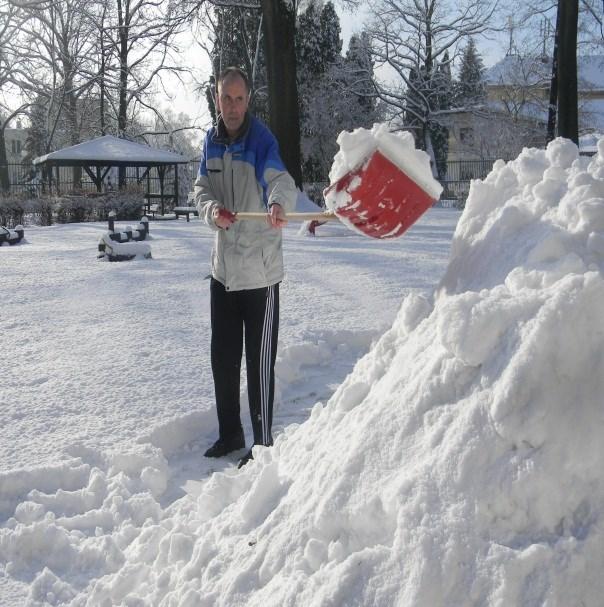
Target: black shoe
245	459
224	446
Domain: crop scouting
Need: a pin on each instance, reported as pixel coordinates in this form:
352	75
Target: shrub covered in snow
46	210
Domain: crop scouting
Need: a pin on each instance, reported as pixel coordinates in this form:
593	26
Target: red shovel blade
384	201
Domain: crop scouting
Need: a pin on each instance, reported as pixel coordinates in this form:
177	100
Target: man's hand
276	216
222	218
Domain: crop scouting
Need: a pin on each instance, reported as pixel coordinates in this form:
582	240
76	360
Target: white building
515	114
15	143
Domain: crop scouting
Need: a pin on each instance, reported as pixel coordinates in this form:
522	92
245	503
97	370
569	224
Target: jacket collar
221	135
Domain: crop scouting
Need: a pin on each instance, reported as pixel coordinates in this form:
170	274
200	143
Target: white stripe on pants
265	362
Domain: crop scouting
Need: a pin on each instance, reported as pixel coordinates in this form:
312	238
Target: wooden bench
186	211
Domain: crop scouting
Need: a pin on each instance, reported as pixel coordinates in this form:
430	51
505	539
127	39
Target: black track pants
252	315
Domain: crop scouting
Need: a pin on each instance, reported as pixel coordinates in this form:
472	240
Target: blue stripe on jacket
258	147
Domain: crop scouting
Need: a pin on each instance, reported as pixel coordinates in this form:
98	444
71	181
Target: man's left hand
276	216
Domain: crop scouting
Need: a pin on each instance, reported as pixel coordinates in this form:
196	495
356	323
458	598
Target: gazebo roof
110	151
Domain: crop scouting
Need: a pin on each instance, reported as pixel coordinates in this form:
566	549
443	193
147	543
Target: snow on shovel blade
379	199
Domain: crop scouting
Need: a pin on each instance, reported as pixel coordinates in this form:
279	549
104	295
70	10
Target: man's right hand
223	218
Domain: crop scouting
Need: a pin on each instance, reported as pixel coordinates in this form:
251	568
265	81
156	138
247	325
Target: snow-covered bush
13	208
95	207
46	210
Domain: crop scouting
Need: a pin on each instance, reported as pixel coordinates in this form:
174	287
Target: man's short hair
231	71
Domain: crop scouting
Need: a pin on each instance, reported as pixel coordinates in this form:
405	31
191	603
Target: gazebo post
175	185
99	179
58	178
161	172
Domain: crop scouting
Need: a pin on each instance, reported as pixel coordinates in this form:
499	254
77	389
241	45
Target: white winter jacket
244	175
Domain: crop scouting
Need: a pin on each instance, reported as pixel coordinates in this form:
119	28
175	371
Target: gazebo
98	155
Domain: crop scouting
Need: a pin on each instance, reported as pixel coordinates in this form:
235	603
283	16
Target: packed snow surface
106	390
459	463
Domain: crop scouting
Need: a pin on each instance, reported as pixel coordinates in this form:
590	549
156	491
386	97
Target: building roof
110	151
528	110
534	71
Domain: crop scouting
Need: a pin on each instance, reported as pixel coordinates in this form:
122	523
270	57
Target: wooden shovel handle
321	216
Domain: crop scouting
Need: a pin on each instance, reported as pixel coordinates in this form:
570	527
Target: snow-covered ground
458	462
106	385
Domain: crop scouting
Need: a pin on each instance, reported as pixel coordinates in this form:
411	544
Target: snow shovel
377	199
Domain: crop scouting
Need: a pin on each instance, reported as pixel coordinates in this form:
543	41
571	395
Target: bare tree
232	35
534	24
591	23
11	19
580	22
411	39
57	44
118	48
521	83
553	87
141	37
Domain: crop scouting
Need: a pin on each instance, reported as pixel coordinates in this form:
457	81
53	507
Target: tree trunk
279	26
568	113
102	97
74	137
429	149
553	89
71	108
4	177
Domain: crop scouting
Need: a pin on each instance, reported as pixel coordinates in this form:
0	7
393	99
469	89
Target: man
240	170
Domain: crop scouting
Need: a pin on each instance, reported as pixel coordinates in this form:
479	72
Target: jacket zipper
232	196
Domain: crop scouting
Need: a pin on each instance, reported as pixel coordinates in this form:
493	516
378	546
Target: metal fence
456	184
459	175
24	179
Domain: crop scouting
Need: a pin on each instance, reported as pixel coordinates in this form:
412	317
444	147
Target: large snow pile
460	463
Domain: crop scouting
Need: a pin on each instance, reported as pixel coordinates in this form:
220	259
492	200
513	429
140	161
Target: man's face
232	102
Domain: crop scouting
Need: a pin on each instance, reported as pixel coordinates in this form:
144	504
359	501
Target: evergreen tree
336	93
359	67
470	86
236	43
331	47
444	83
318	41
309	40
318	46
